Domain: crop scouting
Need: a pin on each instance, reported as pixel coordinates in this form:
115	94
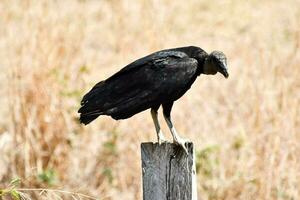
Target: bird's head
215	62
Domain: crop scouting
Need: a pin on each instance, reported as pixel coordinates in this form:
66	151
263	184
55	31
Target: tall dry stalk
245	128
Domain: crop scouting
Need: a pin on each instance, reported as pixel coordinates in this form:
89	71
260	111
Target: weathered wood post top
168	172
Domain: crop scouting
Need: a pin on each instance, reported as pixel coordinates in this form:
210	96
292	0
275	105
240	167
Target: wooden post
168	172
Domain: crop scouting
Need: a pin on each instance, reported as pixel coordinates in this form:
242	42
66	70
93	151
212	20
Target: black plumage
157	79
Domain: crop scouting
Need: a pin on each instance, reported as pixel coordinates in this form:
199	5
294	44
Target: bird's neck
201	61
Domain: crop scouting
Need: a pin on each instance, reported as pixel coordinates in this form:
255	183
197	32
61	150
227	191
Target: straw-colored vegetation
246	129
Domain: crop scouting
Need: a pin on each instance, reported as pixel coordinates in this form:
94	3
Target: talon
160	141
181	142
185	149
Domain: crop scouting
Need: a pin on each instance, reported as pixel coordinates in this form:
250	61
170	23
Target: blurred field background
246	129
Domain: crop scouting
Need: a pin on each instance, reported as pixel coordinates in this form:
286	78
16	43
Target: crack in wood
168	172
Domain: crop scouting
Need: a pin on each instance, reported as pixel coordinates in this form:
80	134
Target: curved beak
224	72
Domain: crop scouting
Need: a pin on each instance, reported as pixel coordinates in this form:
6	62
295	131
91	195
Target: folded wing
150	81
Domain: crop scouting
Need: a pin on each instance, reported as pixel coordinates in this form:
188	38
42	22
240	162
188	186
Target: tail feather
86	116
86	119
91	107
116	99
93	93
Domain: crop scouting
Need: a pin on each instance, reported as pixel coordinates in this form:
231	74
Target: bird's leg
176	138
160	136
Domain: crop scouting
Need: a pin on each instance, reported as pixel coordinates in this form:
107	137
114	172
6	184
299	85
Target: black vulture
149	82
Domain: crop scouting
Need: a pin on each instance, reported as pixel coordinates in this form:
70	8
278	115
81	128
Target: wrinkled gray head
216	62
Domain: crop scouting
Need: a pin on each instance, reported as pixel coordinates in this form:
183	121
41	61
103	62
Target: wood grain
168	172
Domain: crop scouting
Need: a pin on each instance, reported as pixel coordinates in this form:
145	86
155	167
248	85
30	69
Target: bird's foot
160	141
182	142
161	138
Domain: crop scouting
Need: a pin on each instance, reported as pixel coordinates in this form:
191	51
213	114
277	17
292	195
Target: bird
158	79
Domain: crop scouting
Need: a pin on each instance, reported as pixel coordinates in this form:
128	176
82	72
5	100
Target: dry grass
246	128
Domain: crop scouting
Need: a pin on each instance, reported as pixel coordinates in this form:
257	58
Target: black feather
158	78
